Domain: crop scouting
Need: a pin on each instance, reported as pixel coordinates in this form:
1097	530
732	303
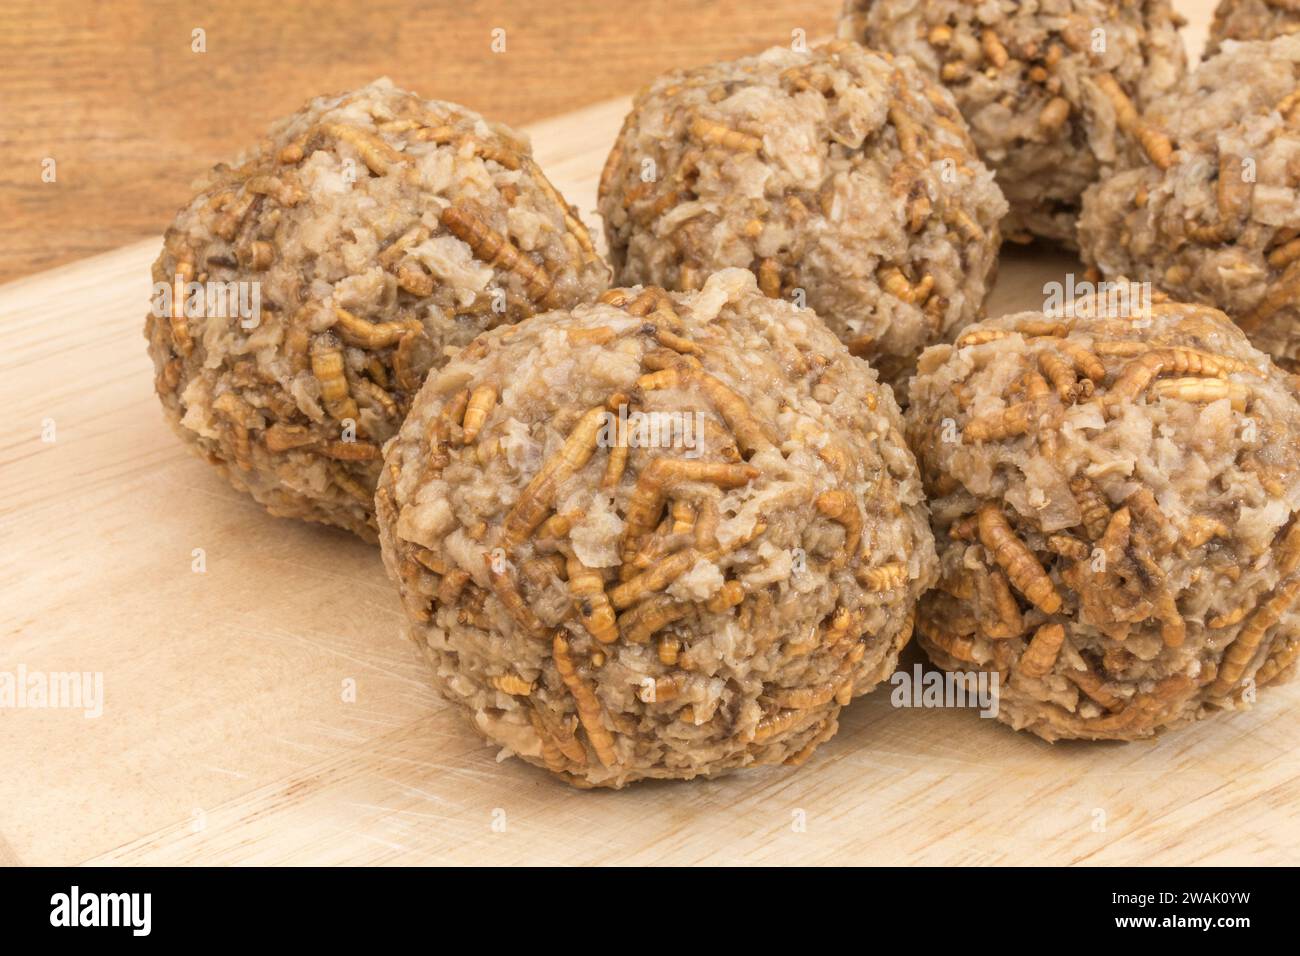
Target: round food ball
843	179
1046	87
1115	507
1221	224
659	536
1252	20
370	233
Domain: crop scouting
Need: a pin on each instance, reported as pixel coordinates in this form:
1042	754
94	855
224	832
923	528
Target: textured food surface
1252	20
844	180
1115	509
378	230
700	591
1220	225
1048	87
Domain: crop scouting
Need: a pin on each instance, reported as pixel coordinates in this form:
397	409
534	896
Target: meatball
1046	87
843	179
1220	224
1252	20
303	295
1115	502
658	536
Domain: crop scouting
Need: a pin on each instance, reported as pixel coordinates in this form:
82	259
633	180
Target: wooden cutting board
228	736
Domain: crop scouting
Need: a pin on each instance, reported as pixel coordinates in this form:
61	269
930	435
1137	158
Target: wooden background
114	94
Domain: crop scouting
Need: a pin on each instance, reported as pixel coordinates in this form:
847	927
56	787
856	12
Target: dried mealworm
506	590
774	724
658	478
896	284
841	507
1153	142
492	247
1093	686
590	711
1061	374
656	578
1204	390
885	577
327	366
733	409
1093	507
378	156
1010	622
370	335
1240	652
1010	422
1041	652
587	588
512	684
481	402
651	616
531	508
1020	564
712	133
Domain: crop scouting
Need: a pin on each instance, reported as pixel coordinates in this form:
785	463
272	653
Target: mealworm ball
1047	87
664	535
1221	224
1114	502
843	179
1252	20
370	233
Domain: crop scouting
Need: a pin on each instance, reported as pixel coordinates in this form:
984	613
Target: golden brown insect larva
590	712
1042	651
729	595
512	684
775	724
491	247
649	617
1093	686
1011	421
327	366
733	409
350	450
1010	622
683	513
1023	569
1242	650
481	402
587	588
279	437
1061	374
378	156
886	577
994	51
656	578
841	507
669	649
597	336
1154	142
657	479
531	508
712	133
1203	390
957	646
1053	116
1067	546
273	187
506	590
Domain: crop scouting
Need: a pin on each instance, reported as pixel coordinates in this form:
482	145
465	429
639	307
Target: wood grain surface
132	115
228	734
